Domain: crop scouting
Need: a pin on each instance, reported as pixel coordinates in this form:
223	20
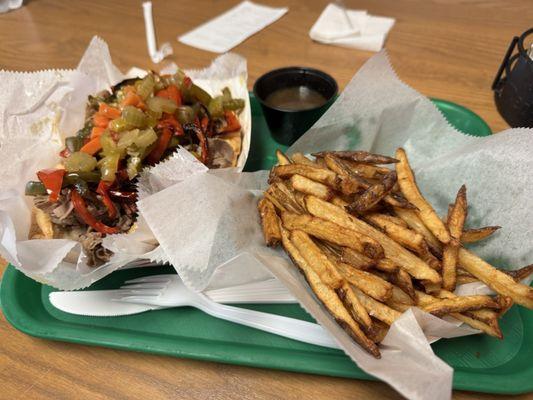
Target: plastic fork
169	291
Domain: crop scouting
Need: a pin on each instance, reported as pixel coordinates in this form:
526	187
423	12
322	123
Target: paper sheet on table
375	112
37	111
233	27
351	28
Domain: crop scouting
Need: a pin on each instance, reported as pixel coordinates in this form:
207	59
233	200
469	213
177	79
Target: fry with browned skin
403	280
316	259
521	273
282	158
373	195
477	234
377	309
356	259
489	329
460	304
367	171
410	190
456	220
402	235
387	266
498	281
308	186
359	156
369	283
328	297
353	305
414	222
412	264
299	158
313	172
333	233
270	222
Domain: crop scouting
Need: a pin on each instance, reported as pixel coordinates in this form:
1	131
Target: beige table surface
445	49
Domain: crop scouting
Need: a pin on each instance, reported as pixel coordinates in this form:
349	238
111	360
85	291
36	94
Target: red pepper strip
87	217
233	122
52	180
204	123
203	141
170	122
123	195
162	144
171	92
102	189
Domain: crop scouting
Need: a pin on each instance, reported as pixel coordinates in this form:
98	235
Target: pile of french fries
371	246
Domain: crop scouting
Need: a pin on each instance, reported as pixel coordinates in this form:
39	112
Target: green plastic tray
481	363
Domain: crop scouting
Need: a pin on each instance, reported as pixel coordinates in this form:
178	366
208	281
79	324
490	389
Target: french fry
456	220
400	234
270	222
355	181
408	186
498	281
315	173
328	297
359	156
403	280
44	222
464	279
356	259
370	284
299	158
367	171
317	260
459	304
491	330
475	235
376	309
414	222
282	158
353	305
520	274
387	265
373	195
379	331
412	264
308	186
392	219
333	233
283	198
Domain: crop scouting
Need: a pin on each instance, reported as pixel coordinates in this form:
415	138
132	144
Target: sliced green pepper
35	188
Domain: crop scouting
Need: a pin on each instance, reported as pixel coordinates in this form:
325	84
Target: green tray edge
514	383
472	380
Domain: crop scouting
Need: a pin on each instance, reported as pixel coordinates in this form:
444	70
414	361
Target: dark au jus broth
295	98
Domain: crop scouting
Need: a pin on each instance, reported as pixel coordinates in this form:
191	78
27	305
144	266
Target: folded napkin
233	27
7	5
351	28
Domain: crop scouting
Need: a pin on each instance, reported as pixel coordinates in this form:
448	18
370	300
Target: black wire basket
513	91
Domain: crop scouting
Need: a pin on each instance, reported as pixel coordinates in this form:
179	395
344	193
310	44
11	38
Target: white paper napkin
233	27
351	28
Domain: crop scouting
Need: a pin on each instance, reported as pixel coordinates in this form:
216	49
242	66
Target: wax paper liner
37	111
375	112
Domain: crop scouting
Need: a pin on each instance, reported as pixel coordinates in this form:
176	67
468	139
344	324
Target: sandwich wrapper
37	111
375	112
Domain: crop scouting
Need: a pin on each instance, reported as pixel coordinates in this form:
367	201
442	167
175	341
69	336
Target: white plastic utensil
169	291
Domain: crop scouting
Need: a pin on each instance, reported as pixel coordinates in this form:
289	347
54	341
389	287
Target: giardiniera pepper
81	209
